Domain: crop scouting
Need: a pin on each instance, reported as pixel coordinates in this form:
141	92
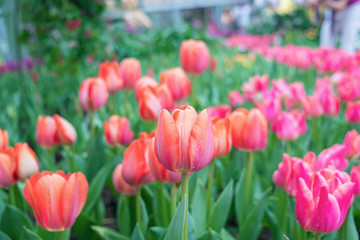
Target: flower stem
249	172
71	153
173	198
318	236
92	127
138	205
209	187
185	193
12	195
112	103
162	203
193	92
51	160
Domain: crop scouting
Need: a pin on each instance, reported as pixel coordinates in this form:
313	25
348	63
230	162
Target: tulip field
239	138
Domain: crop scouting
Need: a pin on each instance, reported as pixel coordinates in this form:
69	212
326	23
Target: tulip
136	168
222	136
4	139
286	127
331	105
289	170
255	88
270	108
235	98
56	199
7	169
25	160
65	131
117	131
297	94
184	140
248	129
335	156
152	100
312	106
46	132
177	82
119	183
355	178
300	117
194	56
142	83
130	71
352	143
322	205
282	89
352	112
220	111
93	94
109	72
212	64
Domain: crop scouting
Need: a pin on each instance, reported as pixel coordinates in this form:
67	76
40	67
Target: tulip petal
344	196
304	204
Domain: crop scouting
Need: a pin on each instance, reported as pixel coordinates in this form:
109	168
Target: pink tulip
184	140
322	205
119	183
286	126
93	94
352	143
194	56
255	88
177	82
297	95
220	111
235	98
282	89
65	131
130	71
355	178
312	106
288	172
352	112
4	139
46	132
332	156
270	107
301	119
143	83
109	72
117	131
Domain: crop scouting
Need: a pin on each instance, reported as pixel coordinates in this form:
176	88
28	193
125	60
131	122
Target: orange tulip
109	72
46	132
65	131
4	139
248	129
117	131
136	170
119	183
184	140
194	56
56	199
177	81
130	71
222	136
93	94
152	100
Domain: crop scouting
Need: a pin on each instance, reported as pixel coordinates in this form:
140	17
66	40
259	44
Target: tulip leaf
226	235
44	234
16	197
30	235
156	233
161	205
191	228
3	236
348	229
144	216
211	235
108	233
82	227
96	159
220	210
11	216
176	227
252	226
198	209
137	234
123	215
97	185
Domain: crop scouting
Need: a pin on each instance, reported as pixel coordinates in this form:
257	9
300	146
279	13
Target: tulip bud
222	136
109	72
46	132
352	143
119	183
130	71
194	56
93	94
270	108
177	82
65	131
56	199
4	139
184	140
248	129
136	170
117	131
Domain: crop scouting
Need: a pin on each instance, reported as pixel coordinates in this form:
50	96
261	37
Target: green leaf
144	216
108	233
137	234
252	224
156	233
30	235
226	235
177	224
123	215
198	209
96	159
12	222
82	227
96	186
240	211
161	205
16	196
211	235
3	236
220	210
348	229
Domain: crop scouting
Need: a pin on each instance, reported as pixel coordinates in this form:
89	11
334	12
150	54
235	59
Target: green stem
12	195
51	160
71	154
162	205
92	127
249	172
126	100
60	235
173	198
138	205
288	147
344	226
318	236
209	187
193	92
112	103
185	193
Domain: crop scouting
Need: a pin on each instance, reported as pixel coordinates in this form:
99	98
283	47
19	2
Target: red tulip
93	94
4	139
352	112
248	129
194	56
184	140
119	183
143	83
46	132
352	143
117	131
130	71
56	199
109	72
152	100
222	136
136	169
65	131
177	82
